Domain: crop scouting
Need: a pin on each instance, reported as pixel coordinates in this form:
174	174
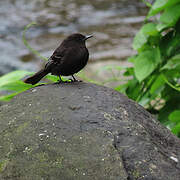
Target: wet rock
83	131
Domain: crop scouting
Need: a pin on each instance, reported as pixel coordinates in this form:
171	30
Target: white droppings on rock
153	166
34	90
108	116
125	112
156	148
27	149
174	159
109	132
41	134
11	122
23	113
87	98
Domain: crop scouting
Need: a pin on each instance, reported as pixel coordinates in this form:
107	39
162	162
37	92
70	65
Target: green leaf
129	71
173	45
151	80
122	88
13	76
175	116
171	15
158	83
144	99
133	89
9	97
52	78
146	63
150	29
165	42
159	5
26	43
142	36
176	129
176	87
12	82
173	63
161	26
139	40
171	104
15	86
170	43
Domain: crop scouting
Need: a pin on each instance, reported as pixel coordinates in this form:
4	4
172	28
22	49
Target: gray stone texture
74	131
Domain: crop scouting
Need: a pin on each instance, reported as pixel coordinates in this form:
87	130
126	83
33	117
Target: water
112	22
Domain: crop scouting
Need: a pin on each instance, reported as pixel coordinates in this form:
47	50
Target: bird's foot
74	80
59	82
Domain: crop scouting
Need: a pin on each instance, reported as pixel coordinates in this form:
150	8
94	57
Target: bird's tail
36	77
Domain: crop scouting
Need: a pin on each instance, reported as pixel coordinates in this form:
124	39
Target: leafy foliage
11	82
155	77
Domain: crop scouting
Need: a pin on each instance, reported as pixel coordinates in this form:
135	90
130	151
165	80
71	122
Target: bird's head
78	37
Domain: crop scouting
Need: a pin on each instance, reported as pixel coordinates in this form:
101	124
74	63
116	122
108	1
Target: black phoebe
69	58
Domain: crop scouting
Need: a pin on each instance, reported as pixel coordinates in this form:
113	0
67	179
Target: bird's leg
60	80
74	79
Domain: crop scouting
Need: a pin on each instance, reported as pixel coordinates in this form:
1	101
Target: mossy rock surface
74	131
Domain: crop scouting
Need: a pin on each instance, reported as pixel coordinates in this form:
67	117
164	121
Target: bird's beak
87	37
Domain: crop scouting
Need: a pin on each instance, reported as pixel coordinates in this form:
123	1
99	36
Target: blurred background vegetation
146	69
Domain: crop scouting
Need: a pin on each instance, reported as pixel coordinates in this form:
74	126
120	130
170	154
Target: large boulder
73	131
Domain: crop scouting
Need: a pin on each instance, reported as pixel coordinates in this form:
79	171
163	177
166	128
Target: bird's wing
58	55
56	58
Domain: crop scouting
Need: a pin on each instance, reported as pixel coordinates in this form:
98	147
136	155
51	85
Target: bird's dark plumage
69	58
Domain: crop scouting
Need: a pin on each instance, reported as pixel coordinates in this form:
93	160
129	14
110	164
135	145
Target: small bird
69	58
